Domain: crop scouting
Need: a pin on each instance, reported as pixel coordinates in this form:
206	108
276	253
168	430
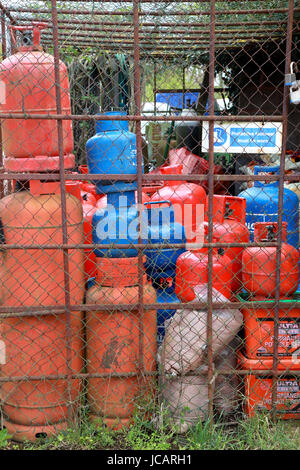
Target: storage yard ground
258	433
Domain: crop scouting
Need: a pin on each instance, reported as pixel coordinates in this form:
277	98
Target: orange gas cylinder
119	342
38	347
229	217
259	263
27	85
258	389
188	200
192	270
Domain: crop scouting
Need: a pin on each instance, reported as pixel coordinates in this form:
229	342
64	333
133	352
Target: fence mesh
149	212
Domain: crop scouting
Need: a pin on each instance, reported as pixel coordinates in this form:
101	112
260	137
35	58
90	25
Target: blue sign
252	137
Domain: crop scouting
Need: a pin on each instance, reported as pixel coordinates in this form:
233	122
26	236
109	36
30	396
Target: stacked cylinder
41	350
121	342
260	278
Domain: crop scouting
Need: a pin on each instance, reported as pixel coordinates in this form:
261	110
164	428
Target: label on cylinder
288	337
288	394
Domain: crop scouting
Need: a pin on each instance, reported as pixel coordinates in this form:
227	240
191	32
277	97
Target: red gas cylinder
151	189
38	347
88	193
73	187
192	270
188	200
88	201
88	198
259	263
83	169
27	85
195	165
119	342
89	256
229	217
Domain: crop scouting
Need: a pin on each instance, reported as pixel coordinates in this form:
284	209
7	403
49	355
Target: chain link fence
149	212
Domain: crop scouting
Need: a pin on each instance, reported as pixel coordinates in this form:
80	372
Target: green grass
257	433
4	438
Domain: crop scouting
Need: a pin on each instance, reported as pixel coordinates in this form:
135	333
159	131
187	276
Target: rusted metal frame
138	131
72	21
148	45
211	92
154	13
280	207
145	44
144	246
121	42
63	211
145	178
237	372
126	29
154	84
141	117
4	52
225	372
3	36
8	311
115	34
6	11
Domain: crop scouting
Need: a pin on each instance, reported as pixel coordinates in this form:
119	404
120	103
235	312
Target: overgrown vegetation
257	433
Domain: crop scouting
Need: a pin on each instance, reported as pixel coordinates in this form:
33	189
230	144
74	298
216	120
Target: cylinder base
21	433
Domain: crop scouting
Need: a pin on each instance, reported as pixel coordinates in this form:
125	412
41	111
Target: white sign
244	137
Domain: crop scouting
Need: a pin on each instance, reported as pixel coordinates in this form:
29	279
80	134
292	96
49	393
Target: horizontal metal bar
217	372
71	21
32	311
102	117
138	246
148	13
146	178
80	33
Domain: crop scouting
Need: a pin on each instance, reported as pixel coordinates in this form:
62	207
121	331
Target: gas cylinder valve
292	79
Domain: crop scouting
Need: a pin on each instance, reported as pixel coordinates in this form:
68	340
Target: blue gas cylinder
165	291
162	228
118	223
112	151
262	205
160	263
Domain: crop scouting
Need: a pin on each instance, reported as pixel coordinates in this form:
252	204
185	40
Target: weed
260	432
208	436
4	437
